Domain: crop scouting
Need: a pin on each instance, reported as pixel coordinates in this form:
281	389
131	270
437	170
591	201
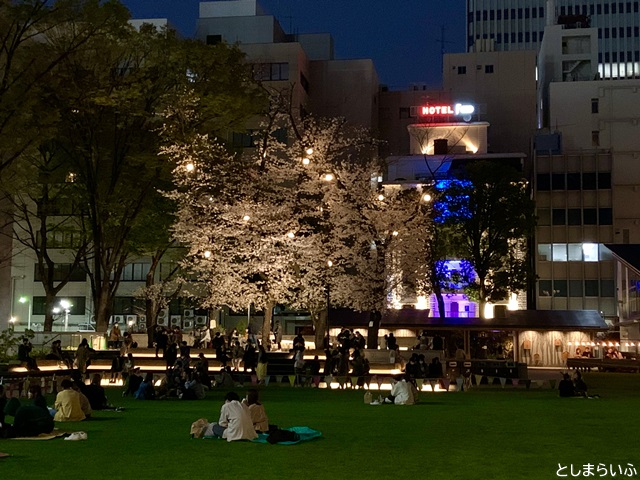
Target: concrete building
504	25
305	63
503	86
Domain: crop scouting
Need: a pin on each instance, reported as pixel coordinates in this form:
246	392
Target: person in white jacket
235	421
401	393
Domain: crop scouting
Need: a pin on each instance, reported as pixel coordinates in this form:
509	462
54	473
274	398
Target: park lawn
486	433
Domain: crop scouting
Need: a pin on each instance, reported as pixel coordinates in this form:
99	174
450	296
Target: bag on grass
278	436
199	427
368	398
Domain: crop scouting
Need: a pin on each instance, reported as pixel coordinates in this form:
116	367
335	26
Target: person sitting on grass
579	387
565	387
225	380
95	394
235	421
402	392
67	404
193	388
133	383
28	420
146	391
84	401
257	411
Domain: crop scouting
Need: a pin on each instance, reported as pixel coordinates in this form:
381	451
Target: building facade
504	25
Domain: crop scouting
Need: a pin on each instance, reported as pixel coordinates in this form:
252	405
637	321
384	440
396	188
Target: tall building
504	25
306	63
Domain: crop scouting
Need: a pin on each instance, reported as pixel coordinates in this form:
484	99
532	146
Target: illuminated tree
492	215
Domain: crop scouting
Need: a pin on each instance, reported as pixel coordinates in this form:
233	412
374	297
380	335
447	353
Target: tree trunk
373	330
151	311
482	300
102	309
266	323
48	312
319	320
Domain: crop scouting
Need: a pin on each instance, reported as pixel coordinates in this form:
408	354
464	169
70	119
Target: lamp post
66	307
25	300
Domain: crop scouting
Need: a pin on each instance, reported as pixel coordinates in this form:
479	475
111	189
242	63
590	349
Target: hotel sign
456	110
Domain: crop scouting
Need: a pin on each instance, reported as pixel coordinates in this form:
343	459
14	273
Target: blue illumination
457	274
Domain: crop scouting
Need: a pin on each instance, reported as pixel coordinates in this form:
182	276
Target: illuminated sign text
446	110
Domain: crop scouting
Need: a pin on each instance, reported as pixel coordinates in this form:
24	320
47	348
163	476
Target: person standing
83	356
24	354
277	333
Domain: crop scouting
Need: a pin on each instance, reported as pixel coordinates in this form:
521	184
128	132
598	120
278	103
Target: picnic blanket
304	433
44	436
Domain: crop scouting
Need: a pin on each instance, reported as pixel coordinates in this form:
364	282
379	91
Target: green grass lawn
487	433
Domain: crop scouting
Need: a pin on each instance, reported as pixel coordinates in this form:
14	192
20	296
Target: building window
558	181
605	216
127	305
243	140
573	181
589	216
604	180
558	216
62	272
595	138
559	288
488	69
559	252
543	182
135	272
544	252
591	288
575	288
544	288
574	216
462	70
607	288
77	305
405	112
544	216
214	39
589	181
594	105
271	71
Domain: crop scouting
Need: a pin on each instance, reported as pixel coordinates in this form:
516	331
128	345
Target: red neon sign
436	110
457	109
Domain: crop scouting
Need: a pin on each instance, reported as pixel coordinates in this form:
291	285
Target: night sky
402	36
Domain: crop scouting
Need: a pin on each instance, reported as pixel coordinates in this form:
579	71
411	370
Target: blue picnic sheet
305	433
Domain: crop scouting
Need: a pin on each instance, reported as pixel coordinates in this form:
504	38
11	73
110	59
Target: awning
563	320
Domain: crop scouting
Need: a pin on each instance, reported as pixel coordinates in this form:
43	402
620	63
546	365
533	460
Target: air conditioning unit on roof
189	313
176	320
201	320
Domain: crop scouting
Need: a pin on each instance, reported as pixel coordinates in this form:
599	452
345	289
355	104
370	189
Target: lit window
559	252
590	252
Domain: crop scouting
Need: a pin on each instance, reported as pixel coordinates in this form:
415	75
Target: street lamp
24	300
12	323
66	307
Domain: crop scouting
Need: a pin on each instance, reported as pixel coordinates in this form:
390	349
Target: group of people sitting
575	387
73	403
239	420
